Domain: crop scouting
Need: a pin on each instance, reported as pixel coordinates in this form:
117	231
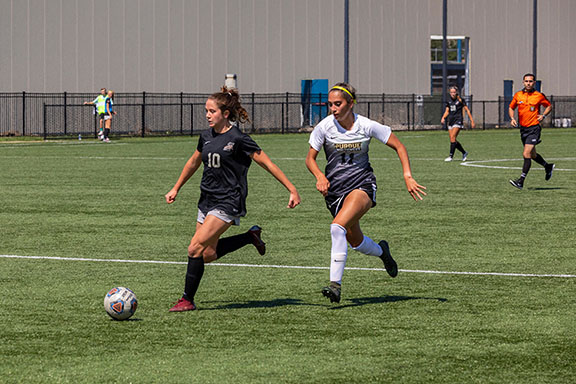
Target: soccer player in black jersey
226	153
348	183
453	112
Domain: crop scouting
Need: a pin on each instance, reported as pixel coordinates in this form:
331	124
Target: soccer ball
120	303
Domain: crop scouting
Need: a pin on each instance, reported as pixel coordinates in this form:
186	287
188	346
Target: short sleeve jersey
226	158
455	108
348	166
528	104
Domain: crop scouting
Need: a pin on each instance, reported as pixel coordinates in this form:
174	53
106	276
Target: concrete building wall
189	45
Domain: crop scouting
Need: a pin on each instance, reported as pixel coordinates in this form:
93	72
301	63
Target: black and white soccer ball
120	303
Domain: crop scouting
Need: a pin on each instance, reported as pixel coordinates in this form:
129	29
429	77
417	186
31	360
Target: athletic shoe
449	158
332	292
389	263
465	156
549	168
255	233
106	140
183	305
519	183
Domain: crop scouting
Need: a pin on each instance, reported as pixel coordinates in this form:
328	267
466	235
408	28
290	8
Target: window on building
457	58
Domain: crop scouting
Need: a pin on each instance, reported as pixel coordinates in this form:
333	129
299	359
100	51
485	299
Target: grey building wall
189	45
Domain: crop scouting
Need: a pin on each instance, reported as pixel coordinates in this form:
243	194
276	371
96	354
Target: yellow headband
345	90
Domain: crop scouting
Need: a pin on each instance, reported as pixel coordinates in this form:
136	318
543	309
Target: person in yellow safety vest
100	106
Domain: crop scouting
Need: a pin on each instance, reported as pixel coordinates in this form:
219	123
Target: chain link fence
52	115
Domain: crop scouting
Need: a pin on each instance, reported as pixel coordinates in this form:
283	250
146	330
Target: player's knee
195	249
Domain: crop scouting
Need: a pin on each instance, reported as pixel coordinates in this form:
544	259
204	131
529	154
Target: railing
144	114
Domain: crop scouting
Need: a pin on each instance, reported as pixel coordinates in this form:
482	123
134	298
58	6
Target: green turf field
261	325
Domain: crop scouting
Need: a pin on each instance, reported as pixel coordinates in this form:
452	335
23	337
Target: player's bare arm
190	168
322	183
416	190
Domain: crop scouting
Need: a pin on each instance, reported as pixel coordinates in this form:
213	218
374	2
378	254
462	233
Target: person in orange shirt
528	102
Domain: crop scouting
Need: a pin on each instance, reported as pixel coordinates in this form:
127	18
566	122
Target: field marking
480	163
178	158
283	266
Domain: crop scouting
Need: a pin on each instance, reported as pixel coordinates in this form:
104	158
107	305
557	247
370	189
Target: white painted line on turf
283	266
481	163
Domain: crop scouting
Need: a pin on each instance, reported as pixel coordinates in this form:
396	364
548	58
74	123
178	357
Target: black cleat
255	233
519	183
549	168
332	292
389	263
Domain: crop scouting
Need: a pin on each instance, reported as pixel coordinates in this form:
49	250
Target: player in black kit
453	112
226	153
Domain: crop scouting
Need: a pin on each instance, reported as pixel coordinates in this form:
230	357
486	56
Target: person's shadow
259	304
355	302
360	301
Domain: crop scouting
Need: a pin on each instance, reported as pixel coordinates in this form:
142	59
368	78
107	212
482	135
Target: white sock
339	252
368	247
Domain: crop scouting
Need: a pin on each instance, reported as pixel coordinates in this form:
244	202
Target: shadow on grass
259	304
384	299
544	188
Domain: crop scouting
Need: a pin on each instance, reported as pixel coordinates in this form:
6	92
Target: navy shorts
531	135
334	203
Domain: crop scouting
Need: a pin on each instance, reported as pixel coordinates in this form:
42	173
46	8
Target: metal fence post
24	113
181	113
282	124
287	118
253	111
553	117
43	119
143	113
483	114
65	113
413	112
191	119
408	114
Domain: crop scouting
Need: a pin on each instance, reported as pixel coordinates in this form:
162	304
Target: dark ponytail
229	100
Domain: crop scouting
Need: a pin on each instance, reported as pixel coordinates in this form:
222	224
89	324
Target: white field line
482	163
283	266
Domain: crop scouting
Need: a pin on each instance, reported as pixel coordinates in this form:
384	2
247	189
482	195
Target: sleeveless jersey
226	159
100	104
348	166
455	115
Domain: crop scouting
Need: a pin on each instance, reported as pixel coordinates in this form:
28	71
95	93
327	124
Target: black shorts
101	116
334	203
531	135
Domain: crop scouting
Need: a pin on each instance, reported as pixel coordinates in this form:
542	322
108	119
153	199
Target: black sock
194	274
460	147
452	149
540	160
232	243
526	166
106	132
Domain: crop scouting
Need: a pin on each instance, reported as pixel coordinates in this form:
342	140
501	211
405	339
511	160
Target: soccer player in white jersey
348	183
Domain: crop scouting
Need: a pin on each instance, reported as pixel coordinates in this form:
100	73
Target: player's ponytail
229	100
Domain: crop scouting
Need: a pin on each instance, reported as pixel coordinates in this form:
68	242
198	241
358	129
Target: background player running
528	102
226	153
453	112
348	184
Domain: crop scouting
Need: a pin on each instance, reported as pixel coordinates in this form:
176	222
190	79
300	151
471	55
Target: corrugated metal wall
189	45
